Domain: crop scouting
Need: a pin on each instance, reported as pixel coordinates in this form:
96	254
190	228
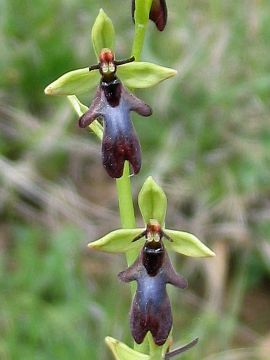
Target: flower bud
158	13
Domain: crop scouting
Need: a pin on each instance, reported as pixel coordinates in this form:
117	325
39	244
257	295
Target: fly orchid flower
152	269
113	103
151	309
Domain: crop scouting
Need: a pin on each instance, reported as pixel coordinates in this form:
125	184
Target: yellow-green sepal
135	75
187	244
102	34
74	82
152	202
118	241
123	352
139	75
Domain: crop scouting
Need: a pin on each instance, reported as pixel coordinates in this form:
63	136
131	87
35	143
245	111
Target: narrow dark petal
93	112
94	67
166	236
158	14
124	61
141	235
182	349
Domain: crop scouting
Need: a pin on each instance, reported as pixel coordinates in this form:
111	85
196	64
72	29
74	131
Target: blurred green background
207	144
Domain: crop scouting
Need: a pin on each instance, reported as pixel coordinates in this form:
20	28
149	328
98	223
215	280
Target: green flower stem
139	39
142	9
125	199
141	20
126	208
123	184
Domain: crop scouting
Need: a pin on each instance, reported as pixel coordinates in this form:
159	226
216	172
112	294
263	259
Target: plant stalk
126	207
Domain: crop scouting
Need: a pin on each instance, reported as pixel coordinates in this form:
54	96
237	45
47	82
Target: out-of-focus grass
208	144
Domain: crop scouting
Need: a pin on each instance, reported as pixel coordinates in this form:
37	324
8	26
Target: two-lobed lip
151	308
113	103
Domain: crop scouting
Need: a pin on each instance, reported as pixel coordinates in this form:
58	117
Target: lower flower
151	309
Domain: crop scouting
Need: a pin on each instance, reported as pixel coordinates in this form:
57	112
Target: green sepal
135	75
187	244
118	241
123	352
103	34
152	202
139	75
80	109
74	82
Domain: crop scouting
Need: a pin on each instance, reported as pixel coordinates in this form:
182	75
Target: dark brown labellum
151	309
113	104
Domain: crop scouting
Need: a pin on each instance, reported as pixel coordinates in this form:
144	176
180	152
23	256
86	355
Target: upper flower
113	103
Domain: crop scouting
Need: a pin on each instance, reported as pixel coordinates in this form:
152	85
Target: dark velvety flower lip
151	309
113	104
158	13
120	141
